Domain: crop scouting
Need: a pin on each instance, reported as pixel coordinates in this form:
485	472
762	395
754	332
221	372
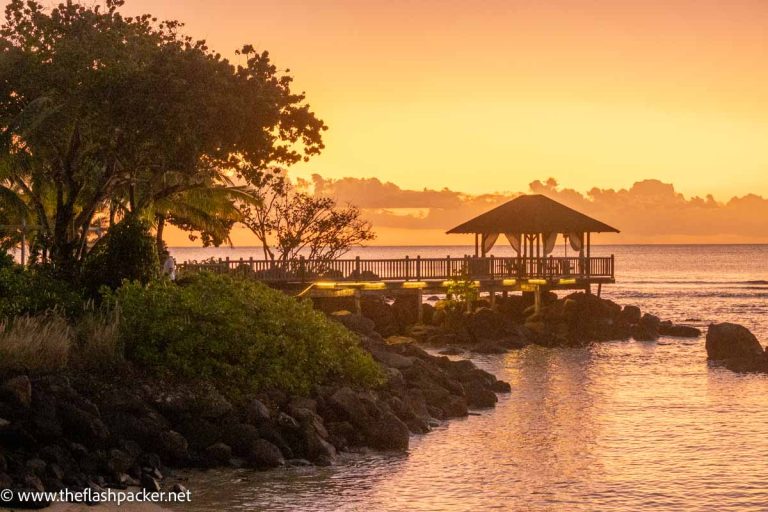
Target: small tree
462	290
289	224
318	228
128	251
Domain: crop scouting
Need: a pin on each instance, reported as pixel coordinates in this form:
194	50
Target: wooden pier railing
303	270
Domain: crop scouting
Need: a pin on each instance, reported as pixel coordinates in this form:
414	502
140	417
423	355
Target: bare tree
290	224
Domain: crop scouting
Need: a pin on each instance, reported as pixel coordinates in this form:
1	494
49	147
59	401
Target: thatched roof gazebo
531	224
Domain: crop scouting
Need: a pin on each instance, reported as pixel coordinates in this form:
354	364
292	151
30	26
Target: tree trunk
159	235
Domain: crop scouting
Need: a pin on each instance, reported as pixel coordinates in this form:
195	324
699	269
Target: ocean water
614	426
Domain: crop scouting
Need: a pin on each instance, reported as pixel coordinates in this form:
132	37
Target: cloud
647	212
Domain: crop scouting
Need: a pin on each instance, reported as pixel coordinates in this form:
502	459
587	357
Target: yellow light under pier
414	284
567	281
326	285
374	286
446	284
537	281
509	282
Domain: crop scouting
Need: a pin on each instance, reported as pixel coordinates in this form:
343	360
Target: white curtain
577	241
549	242
488	240
514	241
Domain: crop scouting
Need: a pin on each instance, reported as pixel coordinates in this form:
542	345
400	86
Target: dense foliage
103	114
238	333
33	291
127	252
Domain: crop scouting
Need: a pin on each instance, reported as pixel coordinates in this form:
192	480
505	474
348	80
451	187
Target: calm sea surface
616	426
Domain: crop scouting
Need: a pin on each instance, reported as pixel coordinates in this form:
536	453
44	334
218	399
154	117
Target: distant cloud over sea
650	211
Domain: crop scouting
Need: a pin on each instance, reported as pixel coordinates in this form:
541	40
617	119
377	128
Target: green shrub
6	260
127	251
238	333
36	290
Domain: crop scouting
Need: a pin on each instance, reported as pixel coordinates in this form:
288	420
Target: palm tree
211	211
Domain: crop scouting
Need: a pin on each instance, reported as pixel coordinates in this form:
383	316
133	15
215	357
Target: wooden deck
551	271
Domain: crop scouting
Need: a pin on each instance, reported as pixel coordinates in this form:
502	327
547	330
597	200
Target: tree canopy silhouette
102	112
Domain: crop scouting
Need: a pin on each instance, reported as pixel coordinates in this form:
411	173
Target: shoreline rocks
512	322
128	429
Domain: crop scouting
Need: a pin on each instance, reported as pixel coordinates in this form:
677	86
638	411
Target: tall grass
37	343
97	335
47	342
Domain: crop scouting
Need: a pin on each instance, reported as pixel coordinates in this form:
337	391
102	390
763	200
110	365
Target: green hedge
36	290
238	333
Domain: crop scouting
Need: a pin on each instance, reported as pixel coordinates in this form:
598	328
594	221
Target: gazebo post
477	244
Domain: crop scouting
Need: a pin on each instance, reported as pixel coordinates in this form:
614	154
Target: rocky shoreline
126	429
576	319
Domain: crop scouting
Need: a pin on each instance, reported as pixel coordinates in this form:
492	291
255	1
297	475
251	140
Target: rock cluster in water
76	431
574	320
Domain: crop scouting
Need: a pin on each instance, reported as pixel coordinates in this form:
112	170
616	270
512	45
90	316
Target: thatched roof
532	214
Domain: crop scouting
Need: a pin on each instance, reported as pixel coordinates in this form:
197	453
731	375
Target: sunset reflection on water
618	426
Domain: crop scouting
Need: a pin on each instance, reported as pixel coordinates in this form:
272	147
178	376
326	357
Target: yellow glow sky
488	96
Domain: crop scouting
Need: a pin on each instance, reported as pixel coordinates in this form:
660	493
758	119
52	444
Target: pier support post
493	297
537	299
419	307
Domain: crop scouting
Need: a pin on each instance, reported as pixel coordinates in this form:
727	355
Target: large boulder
392	359
82	425
485	324
256	412
348	405
265	455
388	432
732	341
630	315
587	318
353	322
678	331
642	332
647	328
479	395
513	307
382	314
173	446
240	437
406	310
427	313
18	390
650	322
200	433
217	454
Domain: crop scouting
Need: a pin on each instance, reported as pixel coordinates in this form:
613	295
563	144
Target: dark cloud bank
648	212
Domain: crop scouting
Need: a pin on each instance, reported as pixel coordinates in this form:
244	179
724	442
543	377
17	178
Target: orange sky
488	96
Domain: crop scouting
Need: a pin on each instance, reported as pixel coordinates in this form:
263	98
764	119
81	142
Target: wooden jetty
530	223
